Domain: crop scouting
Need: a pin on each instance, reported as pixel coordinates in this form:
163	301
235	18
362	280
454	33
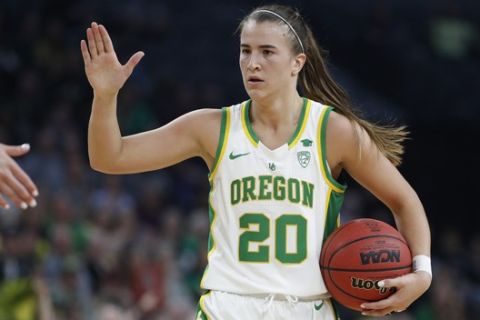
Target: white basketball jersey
270	210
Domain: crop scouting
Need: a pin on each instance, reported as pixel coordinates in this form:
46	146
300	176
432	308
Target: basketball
359	254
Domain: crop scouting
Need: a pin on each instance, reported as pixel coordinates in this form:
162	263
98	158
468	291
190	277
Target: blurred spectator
123	248
17	267
453	36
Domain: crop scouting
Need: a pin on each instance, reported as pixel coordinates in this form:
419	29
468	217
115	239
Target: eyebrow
263	46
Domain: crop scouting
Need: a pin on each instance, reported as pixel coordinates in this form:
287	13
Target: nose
253	63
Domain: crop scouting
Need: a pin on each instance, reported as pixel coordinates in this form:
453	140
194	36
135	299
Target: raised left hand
409	288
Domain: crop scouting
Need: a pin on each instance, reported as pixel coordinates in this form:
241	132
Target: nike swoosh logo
235	156
318	307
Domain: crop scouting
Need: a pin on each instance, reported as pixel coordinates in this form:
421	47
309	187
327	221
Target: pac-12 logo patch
303	158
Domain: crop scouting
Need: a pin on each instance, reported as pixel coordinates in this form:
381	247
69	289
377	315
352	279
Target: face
267	61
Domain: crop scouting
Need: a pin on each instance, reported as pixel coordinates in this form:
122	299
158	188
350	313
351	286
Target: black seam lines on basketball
359	239
368	270
329	241
328	269
360	299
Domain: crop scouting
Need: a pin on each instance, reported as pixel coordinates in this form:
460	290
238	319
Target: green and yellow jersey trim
201	313
332	209
322	152
336	190
252	136
222	142
221	147
302	123
212	243
246	125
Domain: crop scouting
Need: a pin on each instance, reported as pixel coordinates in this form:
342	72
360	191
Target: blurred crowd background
134	247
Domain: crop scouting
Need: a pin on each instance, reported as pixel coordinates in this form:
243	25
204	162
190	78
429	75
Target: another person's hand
105	73
409	288
14	182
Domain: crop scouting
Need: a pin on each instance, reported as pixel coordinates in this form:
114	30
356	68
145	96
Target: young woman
273	161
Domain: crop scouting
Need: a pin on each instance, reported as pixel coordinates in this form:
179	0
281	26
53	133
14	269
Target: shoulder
204	115
338	123
198	121
344	138
340	129
205	126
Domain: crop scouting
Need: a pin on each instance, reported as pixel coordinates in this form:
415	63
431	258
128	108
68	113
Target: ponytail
318	85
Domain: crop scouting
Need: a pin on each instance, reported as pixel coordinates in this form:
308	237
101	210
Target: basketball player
14	182
274	161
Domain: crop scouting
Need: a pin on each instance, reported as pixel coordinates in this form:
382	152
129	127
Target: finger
133	61
378	305
98	38
25	180
85	54
20	192
91	44
3	203
107	42
377	313
9	193
16	151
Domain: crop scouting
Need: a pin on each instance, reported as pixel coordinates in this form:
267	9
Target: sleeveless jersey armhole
322	149
222	142
336	192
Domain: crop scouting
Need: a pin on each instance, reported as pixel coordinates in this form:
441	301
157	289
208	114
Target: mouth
254	79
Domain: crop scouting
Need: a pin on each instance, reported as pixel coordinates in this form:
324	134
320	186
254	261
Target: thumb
133	61
16	151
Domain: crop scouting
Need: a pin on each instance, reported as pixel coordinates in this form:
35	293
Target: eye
245	51
267	52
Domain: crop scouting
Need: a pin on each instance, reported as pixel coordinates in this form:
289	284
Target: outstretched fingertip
138	56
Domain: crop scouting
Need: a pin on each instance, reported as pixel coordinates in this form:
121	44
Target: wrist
105	96
423	264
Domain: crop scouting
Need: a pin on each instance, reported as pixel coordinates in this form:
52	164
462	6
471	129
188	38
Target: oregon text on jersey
267	187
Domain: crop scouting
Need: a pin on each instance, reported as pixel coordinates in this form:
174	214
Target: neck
277	111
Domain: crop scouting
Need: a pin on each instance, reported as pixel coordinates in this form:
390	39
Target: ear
298	63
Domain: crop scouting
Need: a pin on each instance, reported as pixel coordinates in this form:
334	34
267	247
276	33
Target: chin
256	94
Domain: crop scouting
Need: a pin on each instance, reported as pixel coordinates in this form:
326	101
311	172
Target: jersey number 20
280	236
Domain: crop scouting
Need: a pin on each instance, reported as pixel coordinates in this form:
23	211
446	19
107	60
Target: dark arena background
134	247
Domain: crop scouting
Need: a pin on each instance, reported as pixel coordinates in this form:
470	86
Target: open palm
105	73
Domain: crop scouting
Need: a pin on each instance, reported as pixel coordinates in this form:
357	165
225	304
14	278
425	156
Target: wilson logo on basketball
367	284
380	256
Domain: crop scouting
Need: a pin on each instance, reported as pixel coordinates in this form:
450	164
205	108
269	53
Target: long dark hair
317	84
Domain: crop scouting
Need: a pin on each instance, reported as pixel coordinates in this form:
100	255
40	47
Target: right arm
193	134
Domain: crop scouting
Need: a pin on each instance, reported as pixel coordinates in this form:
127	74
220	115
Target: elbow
101	166
97	167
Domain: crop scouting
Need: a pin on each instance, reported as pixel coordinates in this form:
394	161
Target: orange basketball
357	256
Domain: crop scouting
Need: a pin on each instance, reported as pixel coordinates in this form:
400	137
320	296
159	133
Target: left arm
369	167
